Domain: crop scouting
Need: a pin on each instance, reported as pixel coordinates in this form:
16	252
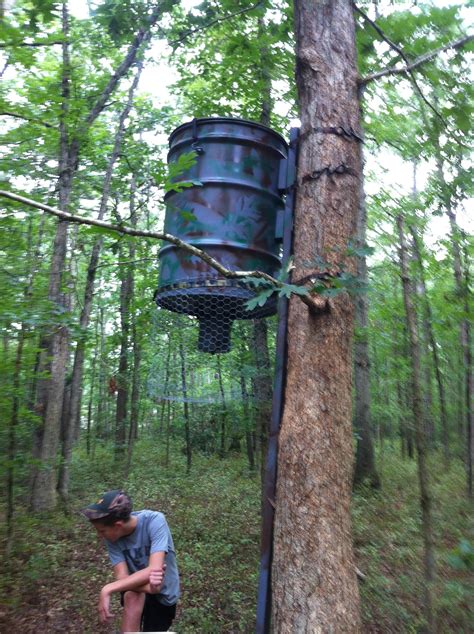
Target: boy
142	554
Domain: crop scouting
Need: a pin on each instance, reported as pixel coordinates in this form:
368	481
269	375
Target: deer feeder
228	204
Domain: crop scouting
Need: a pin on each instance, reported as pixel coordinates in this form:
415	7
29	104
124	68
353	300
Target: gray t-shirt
151	535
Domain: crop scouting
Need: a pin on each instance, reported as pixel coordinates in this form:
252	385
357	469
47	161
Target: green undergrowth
57	567
389	551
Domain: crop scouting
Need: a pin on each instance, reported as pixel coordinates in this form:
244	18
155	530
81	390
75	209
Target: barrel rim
248	122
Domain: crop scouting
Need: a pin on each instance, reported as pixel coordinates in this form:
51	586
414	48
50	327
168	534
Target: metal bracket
286	181
264	596
195	144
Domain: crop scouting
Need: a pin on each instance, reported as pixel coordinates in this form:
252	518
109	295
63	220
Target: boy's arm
137	581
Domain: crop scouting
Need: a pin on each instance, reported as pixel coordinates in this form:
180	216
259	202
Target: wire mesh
216	303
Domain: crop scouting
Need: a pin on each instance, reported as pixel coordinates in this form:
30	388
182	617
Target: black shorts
156	617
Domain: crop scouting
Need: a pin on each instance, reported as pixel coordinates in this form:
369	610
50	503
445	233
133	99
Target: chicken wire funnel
232	210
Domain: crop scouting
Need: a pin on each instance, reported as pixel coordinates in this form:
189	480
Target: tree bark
428	321
420	438
462	289
72	424
55	344
314	578
136	348
263	390
365	460
187	426
121	411
223	418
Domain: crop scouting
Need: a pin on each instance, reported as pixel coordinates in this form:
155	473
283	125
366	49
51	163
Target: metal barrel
227	203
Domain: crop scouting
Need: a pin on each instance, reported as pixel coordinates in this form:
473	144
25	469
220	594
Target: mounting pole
264	605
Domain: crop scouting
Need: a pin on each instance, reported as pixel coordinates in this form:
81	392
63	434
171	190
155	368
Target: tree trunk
121	412
263	380
365	461
165	388
135	397
101	411
135	393
420	439
314	578
246	406
72	425
55	344
462	289
89	431
263	390
222	449
428	321
187	430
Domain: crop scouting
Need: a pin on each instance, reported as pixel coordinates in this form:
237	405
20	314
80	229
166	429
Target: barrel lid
245	122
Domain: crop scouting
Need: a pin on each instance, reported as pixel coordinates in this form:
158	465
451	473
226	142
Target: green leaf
101	231
259	300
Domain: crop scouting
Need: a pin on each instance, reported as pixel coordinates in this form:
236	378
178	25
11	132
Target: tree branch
5	113
316	304
15	44
143	35
410	66
422	59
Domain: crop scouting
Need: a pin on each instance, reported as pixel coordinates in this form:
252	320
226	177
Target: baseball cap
115	502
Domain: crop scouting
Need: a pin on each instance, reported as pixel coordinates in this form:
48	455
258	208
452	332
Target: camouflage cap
112	503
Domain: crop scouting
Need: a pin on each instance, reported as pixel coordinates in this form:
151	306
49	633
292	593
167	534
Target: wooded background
99	388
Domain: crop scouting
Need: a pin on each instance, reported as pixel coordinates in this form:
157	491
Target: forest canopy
102	388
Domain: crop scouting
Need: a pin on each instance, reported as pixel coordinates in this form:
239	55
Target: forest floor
52	580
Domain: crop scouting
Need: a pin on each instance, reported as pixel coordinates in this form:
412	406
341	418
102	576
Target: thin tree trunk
11	452
365	460
135	392
420	439
465	339
100	422
263	390
222	449
89	407
428	320
187	430
135	398
73	423
168	434
245	408
263	380
34	260
314	579
55	344
126	294
165	389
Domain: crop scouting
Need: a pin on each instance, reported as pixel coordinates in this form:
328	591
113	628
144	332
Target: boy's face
112	532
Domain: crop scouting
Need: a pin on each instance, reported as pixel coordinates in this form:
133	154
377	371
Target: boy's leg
156	616
133	603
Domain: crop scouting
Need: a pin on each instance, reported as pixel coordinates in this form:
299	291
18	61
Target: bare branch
5	113
32	44
408	68
422	59
143	36
316	303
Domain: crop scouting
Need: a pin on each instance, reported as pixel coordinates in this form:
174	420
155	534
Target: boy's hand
104	606
156	578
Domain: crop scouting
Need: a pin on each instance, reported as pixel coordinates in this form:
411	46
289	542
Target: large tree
314	578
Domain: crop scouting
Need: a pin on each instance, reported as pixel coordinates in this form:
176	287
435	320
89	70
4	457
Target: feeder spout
214	335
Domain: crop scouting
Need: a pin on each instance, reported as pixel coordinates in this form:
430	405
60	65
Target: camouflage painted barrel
227	204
